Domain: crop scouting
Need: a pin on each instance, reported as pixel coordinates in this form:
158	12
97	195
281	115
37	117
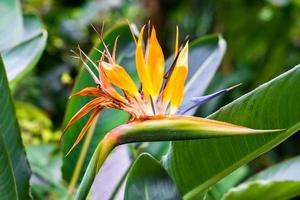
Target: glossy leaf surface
281	181
148	180
15	171
220	188
272	105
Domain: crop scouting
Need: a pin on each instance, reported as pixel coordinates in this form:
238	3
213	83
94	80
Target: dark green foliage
15	171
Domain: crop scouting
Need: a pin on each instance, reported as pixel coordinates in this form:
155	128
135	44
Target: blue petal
197	101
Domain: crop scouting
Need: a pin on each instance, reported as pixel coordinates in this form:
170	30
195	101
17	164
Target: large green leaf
148	180
11	23
267	190
197	165
21	58
281	181
220	188
286	170
15	171
109	118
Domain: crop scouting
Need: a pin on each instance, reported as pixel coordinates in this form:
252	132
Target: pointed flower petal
174	90
84	110
155	64
107	85
119	77
142	70
90	121
176	42
197	101
89	91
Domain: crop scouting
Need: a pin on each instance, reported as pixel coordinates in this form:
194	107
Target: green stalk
101	153
158	129
117	188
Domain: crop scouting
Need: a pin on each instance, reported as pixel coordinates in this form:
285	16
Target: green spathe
161	128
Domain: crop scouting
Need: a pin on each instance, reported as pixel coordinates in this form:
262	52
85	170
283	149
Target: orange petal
176	42
83	111
142	70
183	56
107	86
119	77
89	91
174	90
92	118
155	64
180	75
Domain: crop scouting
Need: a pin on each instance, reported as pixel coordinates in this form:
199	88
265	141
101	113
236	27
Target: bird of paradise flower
155	107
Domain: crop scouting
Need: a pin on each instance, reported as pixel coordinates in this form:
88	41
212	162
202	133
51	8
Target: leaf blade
11	14
20	59
278	109
280	181
12	143
265	189
151	182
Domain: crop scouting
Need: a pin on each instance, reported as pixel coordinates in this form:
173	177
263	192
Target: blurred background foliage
263	39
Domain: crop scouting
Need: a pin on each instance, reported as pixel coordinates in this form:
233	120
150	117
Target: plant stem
158	129
101	153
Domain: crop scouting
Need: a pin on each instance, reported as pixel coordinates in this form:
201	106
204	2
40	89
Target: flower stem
166	128
101	153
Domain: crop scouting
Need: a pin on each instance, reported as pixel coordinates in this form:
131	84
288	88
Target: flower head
159	94
154	105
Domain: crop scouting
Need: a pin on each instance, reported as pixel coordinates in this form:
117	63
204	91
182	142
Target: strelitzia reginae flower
153	105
